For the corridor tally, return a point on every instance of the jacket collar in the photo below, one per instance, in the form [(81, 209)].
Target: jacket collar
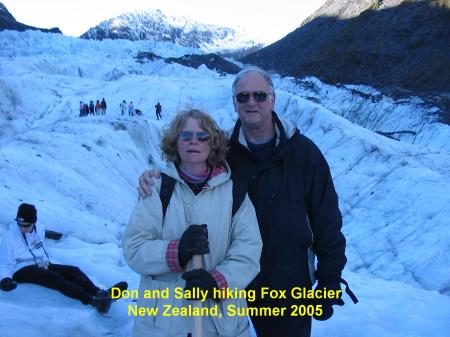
[(284, 130), (218, 176)]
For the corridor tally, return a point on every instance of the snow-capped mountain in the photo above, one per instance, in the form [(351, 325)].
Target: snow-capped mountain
[(156, 26), (82, 173)]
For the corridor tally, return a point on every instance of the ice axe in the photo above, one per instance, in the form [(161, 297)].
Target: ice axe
[(197, 330)]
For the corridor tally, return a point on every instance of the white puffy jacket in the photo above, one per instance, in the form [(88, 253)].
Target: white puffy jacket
[(16, 252), (235, 249)]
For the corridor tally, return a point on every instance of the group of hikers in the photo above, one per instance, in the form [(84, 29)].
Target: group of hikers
[(124, 108), (248, 209), (99, 108)]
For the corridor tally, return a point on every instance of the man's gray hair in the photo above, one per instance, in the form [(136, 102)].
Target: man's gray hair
[(252, 70)]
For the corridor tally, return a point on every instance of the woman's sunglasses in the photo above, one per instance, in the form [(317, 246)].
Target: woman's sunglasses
[(202, 136), (22, 223), (258, 96)]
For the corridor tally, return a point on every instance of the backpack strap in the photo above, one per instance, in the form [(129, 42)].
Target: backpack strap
[(239, 192), (165, 193), (168, 185)]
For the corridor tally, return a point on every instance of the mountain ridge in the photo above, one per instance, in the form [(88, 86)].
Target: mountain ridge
[(155, 25), (8, 22), (390, 45)]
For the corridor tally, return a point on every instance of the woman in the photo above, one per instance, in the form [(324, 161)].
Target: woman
[(160, 248), (24, 259)]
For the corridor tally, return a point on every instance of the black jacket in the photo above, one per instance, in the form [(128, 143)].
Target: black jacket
[(297, 208)]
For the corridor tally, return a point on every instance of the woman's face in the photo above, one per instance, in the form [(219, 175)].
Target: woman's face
[(27, 228), (193, 144)]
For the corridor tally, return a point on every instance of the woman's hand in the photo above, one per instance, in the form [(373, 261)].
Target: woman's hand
[(194, 241), (201, 279)]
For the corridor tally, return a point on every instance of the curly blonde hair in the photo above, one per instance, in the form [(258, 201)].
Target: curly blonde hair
[(218, 140)]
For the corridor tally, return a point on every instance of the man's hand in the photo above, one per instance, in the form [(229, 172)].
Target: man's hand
[(327, 304), (194, 241), (7, 284), (146, 180)]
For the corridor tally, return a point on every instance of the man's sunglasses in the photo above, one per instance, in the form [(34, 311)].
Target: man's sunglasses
[(22, 223), (258, 96), (202, 136)]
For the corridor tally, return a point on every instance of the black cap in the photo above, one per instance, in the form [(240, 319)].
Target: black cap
[(27, 212)]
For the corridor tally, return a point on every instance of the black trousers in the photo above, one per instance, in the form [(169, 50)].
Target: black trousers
[(69, 280), (287, 326), (282, 326)]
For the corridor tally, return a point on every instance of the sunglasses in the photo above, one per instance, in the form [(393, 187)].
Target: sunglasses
[(258, 96), (202, 136), (22, 223)]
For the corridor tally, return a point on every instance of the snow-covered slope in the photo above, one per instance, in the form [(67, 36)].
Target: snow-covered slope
[(409, 119), (156, 26), (81, 173)]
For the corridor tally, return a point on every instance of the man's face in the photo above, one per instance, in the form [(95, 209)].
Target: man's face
[(254, 113)]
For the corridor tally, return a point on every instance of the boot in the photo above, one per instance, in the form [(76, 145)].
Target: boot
[(101, 303), (102, 300), (121, 285)]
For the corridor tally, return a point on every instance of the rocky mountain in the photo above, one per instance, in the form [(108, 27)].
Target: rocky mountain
[(156, 26), (398, 46), (7, 21), (211, 61)]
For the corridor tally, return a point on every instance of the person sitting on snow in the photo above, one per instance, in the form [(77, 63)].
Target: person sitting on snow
[(24, 259)]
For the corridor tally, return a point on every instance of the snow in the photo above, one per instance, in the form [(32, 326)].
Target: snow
[(81, 173)]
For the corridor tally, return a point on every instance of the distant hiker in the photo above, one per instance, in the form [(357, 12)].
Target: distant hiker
[(91, 107), (123, 107), (86, 109), (98, 108), (24, 259), (158, 111), (130, 109), (138, 112), (81, 109), (103, 106)]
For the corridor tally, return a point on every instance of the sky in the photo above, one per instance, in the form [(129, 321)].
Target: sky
[(265, 20)]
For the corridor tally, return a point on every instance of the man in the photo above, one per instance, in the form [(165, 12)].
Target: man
[(24, 259), (158, 111), (290, 185)]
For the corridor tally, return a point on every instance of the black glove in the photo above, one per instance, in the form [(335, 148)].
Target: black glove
[(194, 241), (327, 303), (202, 279), (7, 284)]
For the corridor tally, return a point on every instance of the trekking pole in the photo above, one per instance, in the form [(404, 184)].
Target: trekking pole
[(198, 326)]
